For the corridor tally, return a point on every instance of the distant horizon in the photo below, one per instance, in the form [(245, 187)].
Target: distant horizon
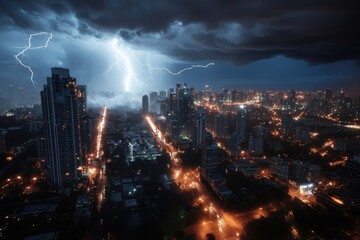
[(133, 99), (261, 46)]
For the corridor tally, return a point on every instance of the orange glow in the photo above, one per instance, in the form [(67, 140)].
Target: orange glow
[(100, 129), (337, 163), (329, 143), (337, 200), (314, 134), (353, 126)]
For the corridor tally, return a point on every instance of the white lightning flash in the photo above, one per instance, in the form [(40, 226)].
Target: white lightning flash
[(129, 71), (124, 61), (29, 47), (179, 72)]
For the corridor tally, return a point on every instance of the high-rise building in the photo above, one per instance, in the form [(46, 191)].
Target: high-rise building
[(84, 124), (172, 102), (221, 126), (145, 104), (162, 95), (59, 101), (241, 123), (200, 125), (185, 108), (163, 107), (292, 99), (352, 182), (256, 145), (234, 144), (153, 101), (209, 156), (286, 122)]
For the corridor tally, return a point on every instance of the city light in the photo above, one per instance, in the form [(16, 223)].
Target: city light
[(337, 200), (100, 128), (160, 120)]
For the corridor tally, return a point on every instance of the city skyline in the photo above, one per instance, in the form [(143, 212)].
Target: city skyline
[(193, 164), (182, 119), (137, 47)]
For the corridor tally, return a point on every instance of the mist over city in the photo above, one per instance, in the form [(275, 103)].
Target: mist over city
[(186, 120)]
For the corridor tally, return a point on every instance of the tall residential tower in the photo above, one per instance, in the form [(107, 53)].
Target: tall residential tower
[(60, 108)]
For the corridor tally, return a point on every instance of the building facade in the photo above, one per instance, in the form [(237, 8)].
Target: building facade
[(59, 103), (145, 104)]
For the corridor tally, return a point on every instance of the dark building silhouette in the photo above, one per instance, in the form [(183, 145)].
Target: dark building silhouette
[(286, 122), (60, 107), (221, 126), (200, 127), (241, 123), (352, 183), (153, 101), (185, 108), (84, 124), (209, 157), (145, 104)]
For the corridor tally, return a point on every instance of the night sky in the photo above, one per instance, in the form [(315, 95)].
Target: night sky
[(260, 44)]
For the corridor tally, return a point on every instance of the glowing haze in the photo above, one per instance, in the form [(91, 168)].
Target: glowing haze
[(122, 49)]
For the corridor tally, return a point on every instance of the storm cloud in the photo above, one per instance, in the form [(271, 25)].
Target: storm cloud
[(259, 44), (234, 31)]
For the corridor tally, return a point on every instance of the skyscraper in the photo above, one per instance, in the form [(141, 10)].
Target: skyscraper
[(209, 156), (200, 125), (162, 95), (221, 127), (84, 124), (185, 108), (351, 182), (241, 123), (256, 145), (286, 122), (60, 107), (145, 104), (154, 106)]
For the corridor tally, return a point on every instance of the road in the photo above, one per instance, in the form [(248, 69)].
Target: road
[(214, 219), (97, 176)]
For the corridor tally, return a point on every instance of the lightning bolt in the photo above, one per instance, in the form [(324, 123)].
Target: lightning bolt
[(129, 71), (121, 56), (29, 47), (179, 72)]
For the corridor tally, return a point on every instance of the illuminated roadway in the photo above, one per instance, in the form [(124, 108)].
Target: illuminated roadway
[(99, 154), (224, 225), (100, 181), (100, 132)]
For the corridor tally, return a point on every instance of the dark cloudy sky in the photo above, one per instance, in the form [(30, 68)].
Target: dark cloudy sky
[(256, 44)]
